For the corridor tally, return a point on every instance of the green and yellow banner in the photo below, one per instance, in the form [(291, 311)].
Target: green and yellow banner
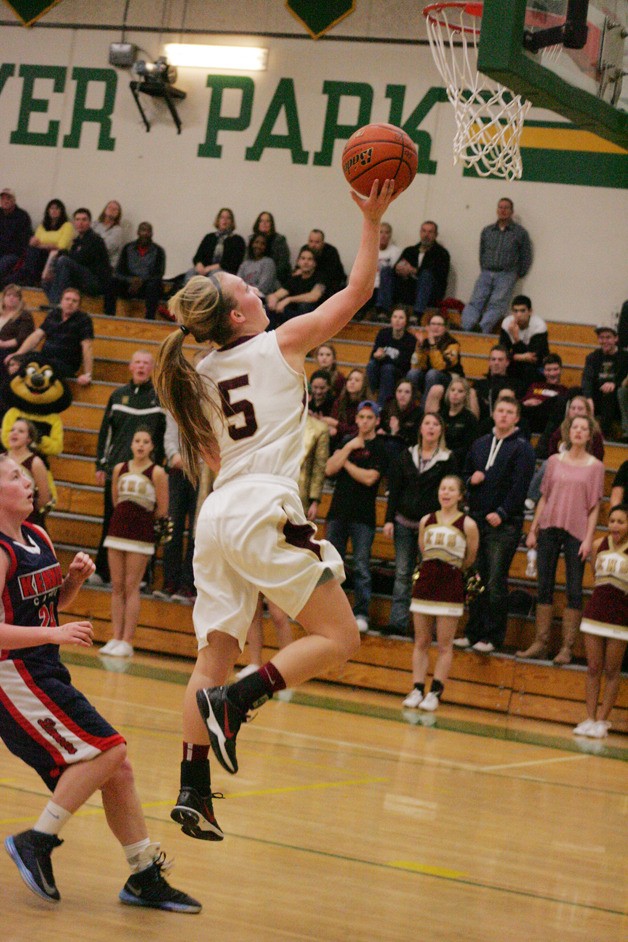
[(28, 11), (318, 16)]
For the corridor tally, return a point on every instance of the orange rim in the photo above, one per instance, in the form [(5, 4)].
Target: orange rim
[(431, 12)]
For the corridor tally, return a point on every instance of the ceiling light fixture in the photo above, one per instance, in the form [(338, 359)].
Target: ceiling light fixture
[(197, 56)]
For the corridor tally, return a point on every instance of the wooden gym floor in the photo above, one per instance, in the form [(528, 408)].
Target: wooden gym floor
[(350, 819)]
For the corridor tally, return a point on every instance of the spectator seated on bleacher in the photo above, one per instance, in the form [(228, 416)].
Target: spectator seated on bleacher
[(54, 233), (221, 250), (328, 263), (139, 273), (544, 401), (326, 359), (109, 227), (401, 416), (387, 258), (342, 421), (277, 244), (258, 268), (391, 356), (85, 266), (321, 398), (16, 324), (604, 373), (486, 425), (505, 255), (461, 425), (496, 379), (438, 354), (15, 232), (68, 338), (419, 277), (524, 335), (302, 292)]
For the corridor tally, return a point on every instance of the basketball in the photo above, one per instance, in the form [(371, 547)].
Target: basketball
[(379, 152)]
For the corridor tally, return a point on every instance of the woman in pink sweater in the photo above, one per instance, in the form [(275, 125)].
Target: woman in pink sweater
[(565, 519)]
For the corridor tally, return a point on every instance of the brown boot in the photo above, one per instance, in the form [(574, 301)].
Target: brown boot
[(571, 622), (540, 645)]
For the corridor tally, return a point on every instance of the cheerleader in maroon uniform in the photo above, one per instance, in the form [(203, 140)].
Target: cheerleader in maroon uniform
[(605, 623), (140, 496), (448, 541)]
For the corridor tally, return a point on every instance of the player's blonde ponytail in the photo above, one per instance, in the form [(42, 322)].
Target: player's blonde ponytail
[(201, 310)]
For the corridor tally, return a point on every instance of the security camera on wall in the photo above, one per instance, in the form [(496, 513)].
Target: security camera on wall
[(122, 55), (156, 79)]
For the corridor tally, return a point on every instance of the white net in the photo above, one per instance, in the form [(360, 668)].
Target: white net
[(489, 118)]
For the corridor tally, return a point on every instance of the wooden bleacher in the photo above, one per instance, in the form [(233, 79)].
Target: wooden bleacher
[(499, 682)]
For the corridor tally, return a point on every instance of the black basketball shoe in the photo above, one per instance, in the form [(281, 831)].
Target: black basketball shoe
[(30, 851), (150, 888), (196, 815), (223, 721)]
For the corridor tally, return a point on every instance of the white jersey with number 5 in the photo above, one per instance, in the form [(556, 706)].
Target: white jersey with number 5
[(264, 404)]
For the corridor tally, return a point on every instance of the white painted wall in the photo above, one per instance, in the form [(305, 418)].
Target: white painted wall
[(580, 233)]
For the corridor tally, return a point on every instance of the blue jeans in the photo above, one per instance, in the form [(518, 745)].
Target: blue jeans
[(425, 379), (69, 274), (549, 544), (534, 490), (406, 554), (488, 613), (420, 292), (182, 494), (489, 301), (382, 377), (361, 536)]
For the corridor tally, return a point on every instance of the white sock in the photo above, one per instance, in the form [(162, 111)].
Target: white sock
[(140, 855), (52, 819)]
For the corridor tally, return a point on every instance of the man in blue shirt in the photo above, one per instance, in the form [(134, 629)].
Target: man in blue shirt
[(505, 255)]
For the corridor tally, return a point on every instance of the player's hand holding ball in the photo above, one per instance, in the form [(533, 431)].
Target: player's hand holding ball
[(379, 152)]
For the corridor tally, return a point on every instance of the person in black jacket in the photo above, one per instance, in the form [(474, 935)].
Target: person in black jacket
[(498, 472), (604, 372), (15, 231), (420, 276), (85, 266), (461, 425), (414, 479), (139, 272), (222, 250), (489, 387), (391, 356), (328, 262)]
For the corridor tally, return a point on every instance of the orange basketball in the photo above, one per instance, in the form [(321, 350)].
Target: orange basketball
[(379, 152)]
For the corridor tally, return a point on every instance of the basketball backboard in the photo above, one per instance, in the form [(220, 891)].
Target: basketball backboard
[(569, 56)]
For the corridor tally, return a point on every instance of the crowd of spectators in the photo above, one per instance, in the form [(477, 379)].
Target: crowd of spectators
[(400, 426)]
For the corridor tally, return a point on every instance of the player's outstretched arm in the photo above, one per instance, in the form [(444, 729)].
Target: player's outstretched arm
[(299, 335)]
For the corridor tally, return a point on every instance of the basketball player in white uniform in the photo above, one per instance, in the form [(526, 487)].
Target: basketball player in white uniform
[(244, 411)]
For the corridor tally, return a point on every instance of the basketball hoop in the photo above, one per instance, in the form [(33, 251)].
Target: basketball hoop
[(489, 117)]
